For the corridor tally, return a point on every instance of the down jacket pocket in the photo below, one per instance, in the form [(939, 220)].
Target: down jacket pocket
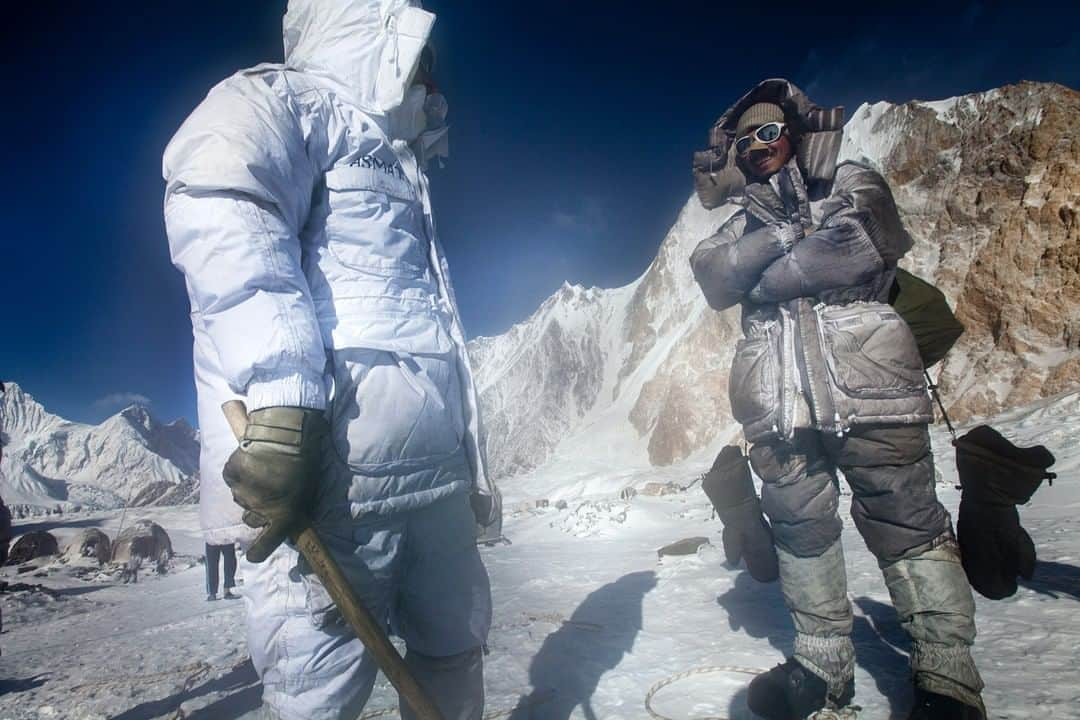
[(373, 221), (754, 382), (870, 352), (396, 409)]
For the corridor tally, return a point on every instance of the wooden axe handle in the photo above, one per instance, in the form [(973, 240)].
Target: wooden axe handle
[(360, 620)]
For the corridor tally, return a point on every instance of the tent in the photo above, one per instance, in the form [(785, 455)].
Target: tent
[(90, 543), (144, 539), (33, 545)]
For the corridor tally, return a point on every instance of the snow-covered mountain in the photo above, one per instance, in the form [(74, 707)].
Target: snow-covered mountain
[(637, 376), (50, 463)]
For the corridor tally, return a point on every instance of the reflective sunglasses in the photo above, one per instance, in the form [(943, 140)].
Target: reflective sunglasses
[(767, 134)]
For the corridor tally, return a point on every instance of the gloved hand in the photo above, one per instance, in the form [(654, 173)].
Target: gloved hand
[(747, 534), (764, 204), (995, 477), (487, 509), (274, 473)]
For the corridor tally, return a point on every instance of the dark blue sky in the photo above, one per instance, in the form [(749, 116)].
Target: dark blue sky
[(573, 125)]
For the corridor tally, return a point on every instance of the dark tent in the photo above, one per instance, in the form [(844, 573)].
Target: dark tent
[(144, 539), (33, 545)]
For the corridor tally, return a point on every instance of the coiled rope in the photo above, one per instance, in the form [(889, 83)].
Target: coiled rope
[(689, 673), (847, 713)]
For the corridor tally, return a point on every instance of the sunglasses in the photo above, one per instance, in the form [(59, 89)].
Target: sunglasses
[(767, 134)]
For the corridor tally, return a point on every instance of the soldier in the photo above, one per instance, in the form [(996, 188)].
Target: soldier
[(827, 378), (298, 209)]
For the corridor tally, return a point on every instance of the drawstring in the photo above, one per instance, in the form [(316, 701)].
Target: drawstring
[(392, 36)]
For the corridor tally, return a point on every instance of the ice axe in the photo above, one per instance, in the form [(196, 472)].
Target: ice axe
[(360, 620)]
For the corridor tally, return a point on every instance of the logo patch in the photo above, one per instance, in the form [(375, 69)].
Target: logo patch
[(370, 162)]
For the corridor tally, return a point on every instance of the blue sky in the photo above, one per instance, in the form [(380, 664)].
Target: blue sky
[(573, 124)]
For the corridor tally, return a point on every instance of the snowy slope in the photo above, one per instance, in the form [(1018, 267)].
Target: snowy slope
[(587, 620), (52, 464), (633, 377)]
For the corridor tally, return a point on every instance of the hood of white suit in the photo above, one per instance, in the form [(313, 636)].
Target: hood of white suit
[(371, 47)]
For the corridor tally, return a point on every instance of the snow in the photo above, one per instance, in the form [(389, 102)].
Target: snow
[(945, 109), (587, 618), (51, 464), (868, 138)]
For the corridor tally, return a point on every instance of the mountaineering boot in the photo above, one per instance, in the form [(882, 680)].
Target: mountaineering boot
[(211, 597), (815, 591), (931, 706), (791, 692)]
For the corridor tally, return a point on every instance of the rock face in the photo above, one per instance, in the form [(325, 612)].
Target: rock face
[(990, 188), (987, 185), (52, 464)]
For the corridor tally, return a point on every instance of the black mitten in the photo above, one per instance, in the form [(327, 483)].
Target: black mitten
[(995, 477), (747, 534), (994, 548)]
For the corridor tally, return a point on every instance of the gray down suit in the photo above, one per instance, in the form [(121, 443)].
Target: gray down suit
[(828, 377)]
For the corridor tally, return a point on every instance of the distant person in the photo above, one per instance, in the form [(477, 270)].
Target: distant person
[(5, 512), (5, 532), (298, 207), (162, 564), (828, 377), (214, 554), (130, 573), (5, 520)]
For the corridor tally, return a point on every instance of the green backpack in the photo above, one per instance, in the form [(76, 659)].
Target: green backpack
[(927, 313)]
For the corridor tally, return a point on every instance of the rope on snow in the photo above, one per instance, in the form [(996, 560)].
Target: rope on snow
[(847, 713), (695, 671)]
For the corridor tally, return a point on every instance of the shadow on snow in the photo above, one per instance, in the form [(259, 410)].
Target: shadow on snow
[(1054, 579), (242, 684), (566, 670)]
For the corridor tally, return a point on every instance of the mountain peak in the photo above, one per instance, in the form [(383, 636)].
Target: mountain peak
[(140, 416), (639, 375), (49, 461)]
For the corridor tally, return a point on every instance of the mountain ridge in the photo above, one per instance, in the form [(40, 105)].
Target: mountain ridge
[(985, 183), (55, 465)]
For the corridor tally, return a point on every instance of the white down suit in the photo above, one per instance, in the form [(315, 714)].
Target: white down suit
[(303, 228)]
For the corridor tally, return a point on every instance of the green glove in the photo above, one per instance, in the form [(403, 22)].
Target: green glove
[(274, 474)]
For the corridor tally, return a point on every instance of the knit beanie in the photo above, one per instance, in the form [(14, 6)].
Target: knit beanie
[(758, 114)]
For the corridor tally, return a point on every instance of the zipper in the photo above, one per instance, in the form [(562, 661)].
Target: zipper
[(789, 383), (838, 423)]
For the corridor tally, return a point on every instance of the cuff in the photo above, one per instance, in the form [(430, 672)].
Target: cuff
[(289, 391), (786, 235)]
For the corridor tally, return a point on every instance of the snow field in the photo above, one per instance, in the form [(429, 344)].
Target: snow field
[(587, 618)]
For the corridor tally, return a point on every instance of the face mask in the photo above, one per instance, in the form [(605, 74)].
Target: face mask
[(435, 109), (434, 142), (409, 120)]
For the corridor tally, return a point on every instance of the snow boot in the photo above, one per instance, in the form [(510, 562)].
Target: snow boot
[(211, 597), (931, 706), (791, 692)]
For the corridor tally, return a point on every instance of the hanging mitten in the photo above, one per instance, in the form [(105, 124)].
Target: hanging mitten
[(995, 477), (747, 534)]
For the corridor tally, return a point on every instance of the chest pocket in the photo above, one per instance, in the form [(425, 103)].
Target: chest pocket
[(376, 222)]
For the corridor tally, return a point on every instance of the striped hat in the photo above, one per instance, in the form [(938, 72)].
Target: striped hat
[(758, 114)]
